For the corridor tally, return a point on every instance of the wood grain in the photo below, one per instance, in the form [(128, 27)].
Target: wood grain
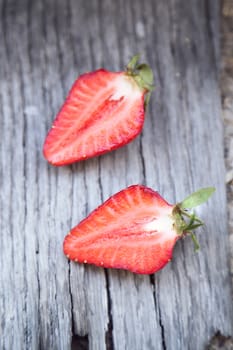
[(227, 106), (44, 299)]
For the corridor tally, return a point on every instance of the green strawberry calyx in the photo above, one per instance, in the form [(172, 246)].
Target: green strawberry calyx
[(142, 75), (184, 220)]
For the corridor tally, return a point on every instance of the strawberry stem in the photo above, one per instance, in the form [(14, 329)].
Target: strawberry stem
[(195, 242), (142, 74), (184, 221), (147, 99), (133, 63)]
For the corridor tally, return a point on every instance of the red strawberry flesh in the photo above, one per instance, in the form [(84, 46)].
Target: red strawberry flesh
[(133, 230), (103, 111)]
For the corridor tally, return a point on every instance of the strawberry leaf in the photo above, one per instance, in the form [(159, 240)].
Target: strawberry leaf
[(145, 72), (197, 198)]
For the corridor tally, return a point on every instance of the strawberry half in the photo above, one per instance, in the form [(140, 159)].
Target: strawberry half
[(135, 229), (103, 111)]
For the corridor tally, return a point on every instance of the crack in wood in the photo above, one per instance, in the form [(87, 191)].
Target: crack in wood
[(142, 160), (71, 299), (26, 329), (163, 338), (80, 342), (220, 342), (109, 333), (162, 331), (211, 31)]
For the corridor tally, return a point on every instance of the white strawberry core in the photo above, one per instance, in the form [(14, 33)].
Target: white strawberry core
[(126, 87), (161, 224)]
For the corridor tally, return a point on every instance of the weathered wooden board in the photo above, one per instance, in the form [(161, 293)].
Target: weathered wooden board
[(44, 45)]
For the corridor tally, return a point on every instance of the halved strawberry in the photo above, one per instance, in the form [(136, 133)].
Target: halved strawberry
[(103, 111), (136, 230)]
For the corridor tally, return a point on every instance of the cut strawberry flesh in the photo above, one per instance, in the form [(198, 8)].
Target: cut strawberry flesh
[(104, 110), (133, 230)]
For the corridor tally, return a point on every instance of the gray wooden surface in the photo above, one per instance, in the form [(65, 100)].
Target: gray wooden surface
[(227, 104), (44, 299)]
